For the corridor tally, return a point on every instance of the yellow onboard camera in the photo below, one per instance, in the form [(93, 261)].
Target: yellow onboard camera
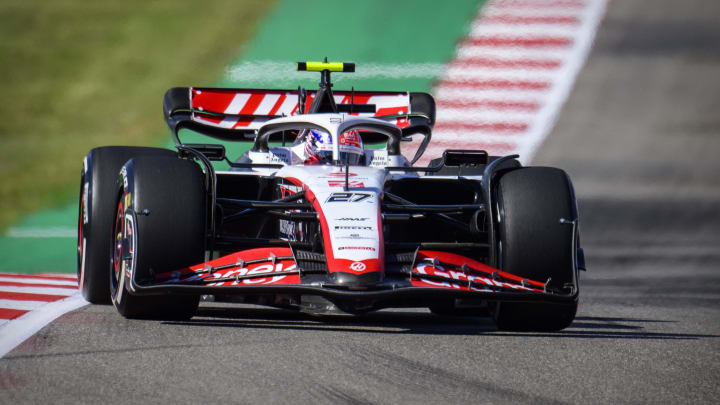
[(329, 66)]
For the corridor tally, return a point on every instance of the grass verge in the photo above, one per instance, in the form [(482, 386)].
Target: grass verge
[(78, 74)]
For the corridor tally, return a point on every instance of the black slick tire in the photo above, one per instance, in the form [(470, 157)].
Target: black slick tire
[(161, 214), (534, 243), (95, 213)]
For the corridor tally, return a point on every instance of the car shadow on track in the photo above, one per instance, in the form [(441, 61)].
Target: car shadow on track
[(392, 322), (425, 323), (590, 327)]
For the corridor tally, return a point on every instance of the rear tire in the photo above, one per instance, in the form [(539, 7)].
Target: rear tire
[(97, 206), (166, 233), (533, 243)]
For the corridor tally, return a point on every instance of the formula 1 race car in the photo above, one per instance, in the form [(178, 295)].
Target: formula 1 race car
[(324, 214)]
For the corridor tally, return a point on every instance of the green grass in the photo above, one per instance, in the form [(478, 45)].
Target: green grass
[(76, 74)]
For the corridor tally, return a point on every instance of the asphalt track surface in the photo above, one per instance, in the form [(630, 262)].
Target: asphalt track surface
[(640, 137)]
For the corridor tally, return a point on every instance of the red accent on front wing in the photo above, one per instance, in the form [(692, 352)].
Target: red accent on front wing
[(265, 267), (423, 265), (481, 273)]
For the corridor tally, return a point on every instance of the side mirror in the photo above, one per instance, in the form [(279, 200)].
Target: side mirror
[(213, 152)]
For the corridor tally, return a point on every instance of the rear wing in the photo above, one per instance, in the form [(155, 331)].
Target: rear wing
[(235, 114)]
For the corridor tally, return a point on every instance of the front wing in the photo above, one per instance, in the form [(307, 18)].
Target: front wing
[(412, 278)]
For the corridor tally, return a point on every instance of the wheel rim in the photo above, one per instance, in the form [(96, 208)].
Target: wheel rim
[(116, 257)]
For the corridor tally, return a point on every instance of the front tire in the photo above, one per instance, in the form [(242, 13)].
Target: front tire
[(97, 205), (534, 243), (160, 218)]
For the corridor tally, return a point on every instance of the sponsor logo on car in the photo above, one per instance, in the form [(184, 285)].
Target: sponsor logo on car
[(459, 275), (370, 248), (277, 155), (352, 219), (379, 161), (356, 236), (86, 186), (340, 183), (259, 269), (351, 138), (353, 227), (357, 266), (123, 173)]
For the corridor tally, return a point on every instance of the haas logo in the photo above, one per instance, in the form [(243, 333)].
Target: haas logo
[(357, 266)]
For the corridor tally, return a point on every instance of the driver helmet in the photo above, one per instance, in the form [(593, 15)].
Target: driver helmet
[(319, 147)]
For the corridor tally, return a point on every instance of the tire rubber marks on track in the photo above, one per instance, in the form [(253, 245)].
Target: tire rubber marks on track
[(511, 75)]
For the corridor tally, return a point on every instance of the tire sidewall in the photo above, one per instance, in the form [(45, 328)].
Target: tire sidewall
[(96, 212), (167, 234), (535, 244)]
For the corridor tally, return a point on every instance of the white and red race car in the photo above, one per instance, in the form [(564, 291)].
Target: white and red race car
[(351, 232)]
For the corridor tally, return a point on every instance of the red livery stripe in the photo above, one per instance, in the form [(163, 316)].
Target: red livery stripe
[(249, 108), (216, 101), (278, 104)]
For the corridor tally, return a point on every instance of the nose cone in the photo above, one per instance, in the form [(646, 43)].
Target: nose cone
[(356, 280)]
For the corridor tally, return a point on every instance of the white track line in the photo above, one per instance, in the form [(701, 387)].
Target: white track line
[(480, 114), (459, 136), (16, 331), (38, 290), (453, 94), (22, 305), (471, 51), (5, 277), (459, 72), (481, 29)]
